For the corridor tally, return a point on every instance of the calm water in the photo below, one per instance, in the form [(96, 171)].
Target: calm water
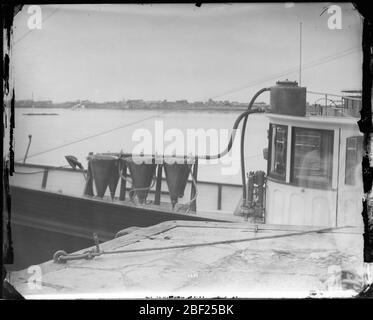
[(51, 132)]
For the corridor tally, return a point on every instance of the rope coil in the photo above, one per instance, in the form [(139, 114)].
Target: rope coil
[(130, 180)]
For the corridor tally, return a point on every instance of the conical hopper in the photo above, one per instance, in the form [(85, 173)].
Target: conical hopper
[(176, 178), (105, 173), (113, 183), (142, 171)]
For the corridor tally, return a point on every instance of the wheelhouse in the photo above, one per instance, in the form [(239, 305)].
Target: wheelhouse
[(314, 167)]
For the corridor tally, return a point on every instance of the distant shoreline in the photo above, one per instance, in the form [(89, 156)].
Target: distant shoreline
[(141, 105), (206, 109)]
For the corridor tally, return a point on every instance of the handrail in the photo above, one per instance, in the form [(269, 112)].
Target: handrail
[(48, 167), (45, 170), (335, 95)]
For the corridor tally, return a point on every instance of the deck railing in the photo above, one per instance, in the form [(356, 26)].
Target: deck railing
[(334, 105), (45, 169)]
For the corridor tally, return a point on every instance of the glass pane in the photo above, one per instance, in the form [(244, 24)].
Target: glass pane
[(278, 151), (354, 150), (312, 157)]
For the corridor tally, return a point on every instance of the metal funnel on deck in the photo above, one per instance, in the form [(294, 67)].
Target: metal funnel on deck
[(177, 174), (105, 173), (142, 170)]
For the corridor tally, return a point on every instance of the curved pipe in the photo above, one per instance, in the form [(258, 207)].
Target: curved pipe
[(242, 150), (244, 116), (230, 144), (233, 135)]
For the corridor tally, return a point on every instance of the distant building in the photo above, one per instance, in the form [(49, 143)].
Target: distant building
[(351, 101), (136, 104)]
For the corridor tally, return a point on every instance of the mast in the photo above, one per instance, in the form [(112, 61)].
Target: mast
[(32, 101), (300, 53)]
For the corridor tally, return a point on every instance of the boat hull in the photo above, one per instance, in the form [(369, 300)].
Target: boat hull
[(58, 221)]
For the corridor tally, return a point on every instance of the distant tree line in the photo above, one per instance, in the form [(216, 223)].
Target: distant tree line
[(139, 104)]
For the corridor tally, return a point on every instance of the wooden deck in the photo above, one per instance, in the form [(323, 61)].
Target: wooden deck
[(210, 259)]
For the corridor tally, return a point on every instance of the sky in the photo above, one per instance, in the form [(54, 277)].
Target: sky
[(180, 51)]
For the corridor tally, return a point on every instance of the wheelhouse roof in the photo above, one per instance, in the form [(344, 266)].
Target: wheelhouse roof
[(316, 121)]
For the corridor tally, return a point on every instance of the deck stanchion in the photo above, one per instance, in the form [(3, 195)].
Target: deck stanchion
[(123, 182), (220, 187), (45, 178), (193, 204), (158, 187), (28, 147), (88, 189)]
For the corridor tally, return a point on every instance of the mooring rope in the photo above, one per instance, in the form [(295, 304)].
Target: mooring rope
[(130, 180), (62, 257), (133, 190), (194, 182)]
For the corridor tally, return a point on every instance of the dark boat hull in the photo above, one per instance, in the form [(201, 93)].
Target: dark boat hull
[(44, 222)]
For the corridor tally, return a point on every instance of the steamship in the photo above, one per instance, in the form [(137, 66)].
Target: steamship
[(312, 179)]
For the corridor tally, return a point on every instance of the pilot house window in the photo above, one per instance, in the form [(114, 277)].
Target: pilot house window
[(312, 156), (354, 152), (278, 145)]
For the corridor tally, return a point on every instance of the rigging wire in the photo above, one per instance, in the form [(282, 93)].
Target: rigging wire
[(308, 65), (274, 76), (96, 135), (30, 30)]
